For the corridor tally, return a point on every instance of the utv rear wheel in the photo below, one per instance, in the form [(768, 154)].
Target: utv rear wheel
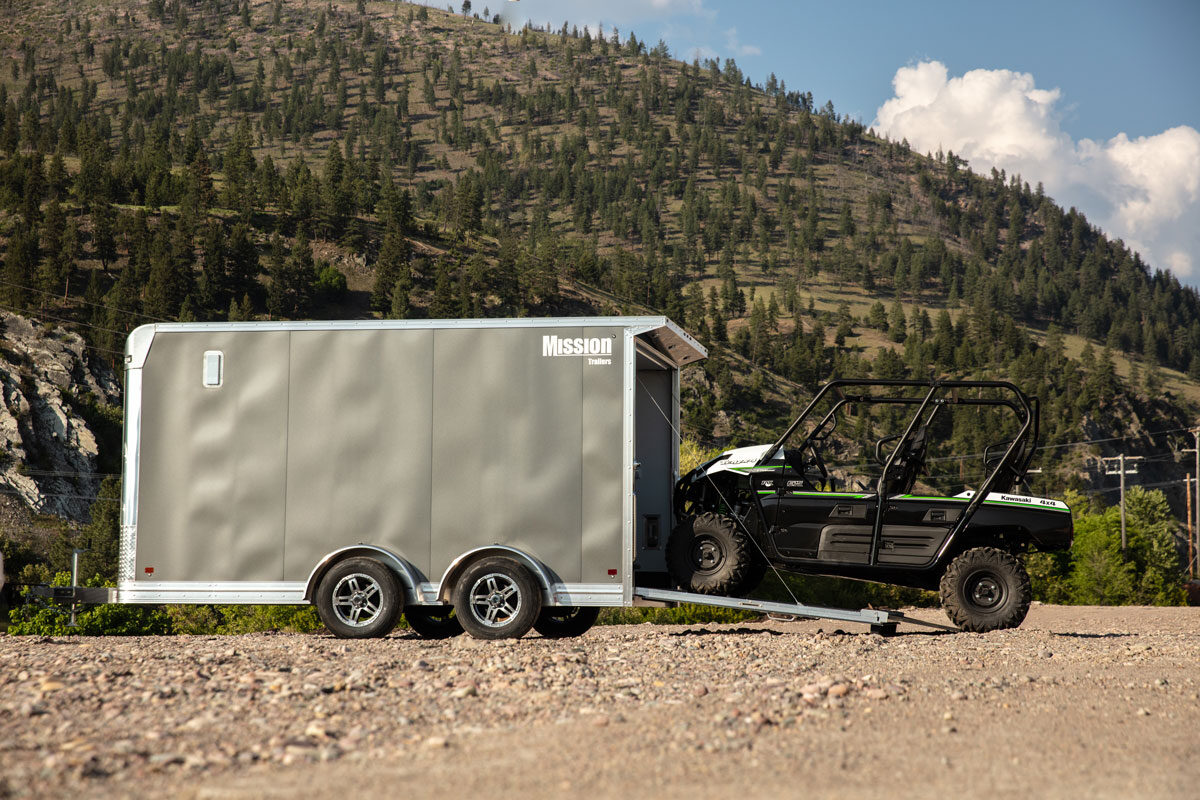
[(563, 622), (986, 589), (497, 598), (359, 598), (709, 555), (433, 622)]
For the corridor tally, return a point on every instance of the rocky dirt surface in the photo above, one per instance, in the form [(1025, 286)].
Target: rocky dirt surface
[(1078, 702)]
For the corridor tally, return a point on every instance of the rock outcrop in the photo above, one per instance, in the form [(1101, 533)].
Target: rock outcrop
[(48, 452)]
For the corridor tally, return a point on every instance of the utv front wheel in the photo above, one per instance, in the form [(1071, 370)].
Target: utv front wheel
[(709, 555), (986, 589)]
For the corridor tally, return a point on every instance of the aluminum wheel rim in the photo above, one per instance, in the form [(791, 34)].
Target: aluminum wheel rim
[(495, 599), (357, 600)]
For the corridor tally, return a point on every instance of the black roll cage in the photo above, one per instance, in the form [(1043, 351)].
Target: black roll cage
[(1008, 472)]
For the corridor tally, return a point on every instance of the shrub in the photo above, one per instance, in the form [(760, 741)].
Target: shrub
[(1048, 575), (252, 619), (330, 284), (42, 617), (194, 620), (692, 454)]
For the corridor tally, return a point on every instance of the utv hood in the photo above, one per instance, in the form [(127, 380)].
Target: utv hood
[(740, 459)]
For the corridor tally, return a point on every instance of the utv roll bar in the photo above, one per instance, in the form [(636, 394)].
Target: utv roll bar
[(1008, 472)]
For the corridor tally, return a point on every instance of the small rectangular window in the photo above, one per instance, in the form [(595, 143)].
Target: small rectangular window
[(213, 364)]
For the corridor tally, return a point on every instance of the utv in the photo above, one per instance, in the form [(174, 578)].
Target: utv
[(808, 504)]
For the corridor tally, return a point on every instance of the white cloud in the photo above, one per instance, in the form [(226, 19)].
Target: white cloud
[(1144, 190), (735, 47)]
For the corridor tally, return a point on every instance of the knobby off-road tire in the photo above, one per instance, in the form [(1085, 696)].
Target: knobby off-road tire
[(563, 622), (433, 622), (497, 598), (708, 554), (359, 598), (986, 589)]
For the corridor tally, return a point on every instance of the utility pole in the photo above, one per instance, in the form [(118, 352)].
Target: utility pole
[(1188, 489), (1191, 567), (1121, 469), (1194, 530)]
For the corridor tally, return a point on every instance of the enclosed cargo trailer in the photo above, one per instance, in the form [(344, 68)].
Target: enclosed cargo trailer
[(516, 471)]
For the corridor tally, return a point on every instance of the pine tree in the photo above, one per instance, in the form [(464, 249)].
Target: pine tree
[(897, 323), (242, 266), (103, 233), (290, 294), (443, 305), (391, 270), (20, 263)]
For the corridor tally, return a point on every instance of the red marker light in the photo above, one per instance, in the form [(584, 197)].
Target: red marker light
[(149, 570), (612, 573)]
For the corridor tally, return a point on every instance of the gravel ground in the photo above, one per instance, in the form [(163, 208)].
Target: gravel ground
[(1094, 702)]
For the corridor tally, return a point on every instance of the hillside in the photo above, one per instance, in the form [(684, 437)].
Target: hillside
[(221, 160)]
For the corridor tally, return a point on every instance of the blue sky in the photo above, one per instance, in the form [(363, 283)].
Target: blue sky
[(1098, 100)]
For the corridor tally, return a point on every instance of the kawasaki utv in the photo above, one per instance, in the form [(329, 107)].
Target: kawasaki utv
[(818, 502)]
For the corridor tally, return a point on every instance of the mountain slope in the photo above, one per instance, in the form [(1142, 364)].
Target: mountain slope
[(216, 160)]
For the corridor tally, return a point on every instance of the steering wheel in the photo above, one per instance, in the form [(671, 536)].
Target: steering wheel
[(807, 459)]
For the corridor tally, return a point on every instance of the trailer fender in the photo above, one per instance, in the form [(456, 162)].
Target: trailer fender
[(540, 571), (410, 578)]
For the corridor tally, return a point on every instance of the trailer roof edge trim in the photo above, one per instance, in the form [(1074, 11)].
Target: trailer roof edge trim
[(667, 337)]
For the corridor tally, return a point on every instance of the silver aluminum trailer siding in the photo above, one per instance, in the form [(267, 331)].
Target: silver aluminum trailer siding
[(257, 454)]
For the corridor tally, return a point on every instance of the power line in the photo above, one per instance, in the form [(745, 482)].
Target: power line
[(1079, 443), (104, 350), (85, 302), (53, 474), (40, 315), (73, 322), (1146, 485), (1114, 439), (16, 493)]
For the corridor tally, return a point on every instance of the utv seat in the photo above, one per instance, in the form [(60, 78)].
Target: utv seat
[(902, 475)]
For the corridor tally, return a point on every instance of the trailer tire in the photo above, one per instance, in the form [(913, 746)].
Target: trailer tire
[(433, 622), (708, 554), (497, 598), (986, 589), (565, 622), (359, 598)]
